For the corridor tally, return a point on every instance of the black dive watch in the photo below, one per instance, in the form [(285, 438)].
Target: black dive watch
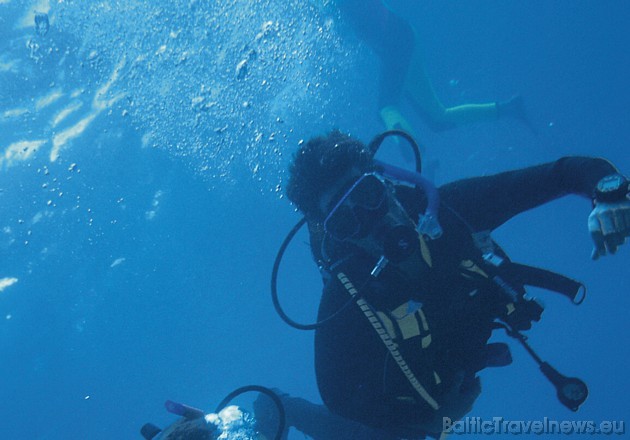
[(612, 188)]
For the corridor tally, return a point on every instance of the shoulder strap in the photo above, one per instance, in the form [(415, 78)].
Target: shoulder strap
[(527, 275), (546, 279), (391, 346)]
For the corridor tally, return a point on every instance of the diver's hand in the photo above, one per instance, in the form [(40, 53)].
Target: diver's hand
[(456, 402), (609, 225)]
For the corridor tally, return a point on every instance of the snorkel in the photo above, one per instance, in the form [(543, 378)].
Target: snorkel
[(428, 224)]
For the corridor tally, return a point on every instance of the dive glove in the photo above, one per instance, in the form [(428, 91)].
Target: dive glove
[(609, 222)]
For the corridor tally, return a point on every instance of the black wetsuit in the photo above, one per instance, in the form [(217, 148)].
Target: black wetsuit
[(356, 375)]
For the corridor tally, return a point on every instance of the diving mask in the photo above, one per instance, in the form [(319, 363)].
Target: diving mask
[(370, 216), (357, 210)]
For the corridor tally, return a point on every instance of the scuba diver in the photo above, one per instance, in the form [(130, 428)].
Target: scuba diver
[(403, 77), (414, 285), (227, 422), (231, 423), (272, 409)]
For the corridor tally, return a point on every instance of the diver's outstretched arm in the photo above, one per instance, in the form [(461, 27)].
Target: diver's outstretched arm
[(314, 420)]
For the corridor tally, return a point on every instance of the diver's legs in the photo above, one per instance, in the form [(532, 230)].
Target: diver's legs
[(419, 90)]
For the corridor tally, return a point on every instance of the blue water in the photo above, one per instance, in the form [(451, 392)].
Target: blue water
[(143, 148)]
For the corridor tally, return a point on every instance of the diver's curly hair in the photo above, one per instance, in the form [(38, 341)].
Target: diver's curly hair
[(319, 163)]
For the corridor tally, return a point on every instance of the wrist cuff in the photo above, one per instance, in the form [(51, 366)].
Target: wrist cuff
[(612, 188)]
